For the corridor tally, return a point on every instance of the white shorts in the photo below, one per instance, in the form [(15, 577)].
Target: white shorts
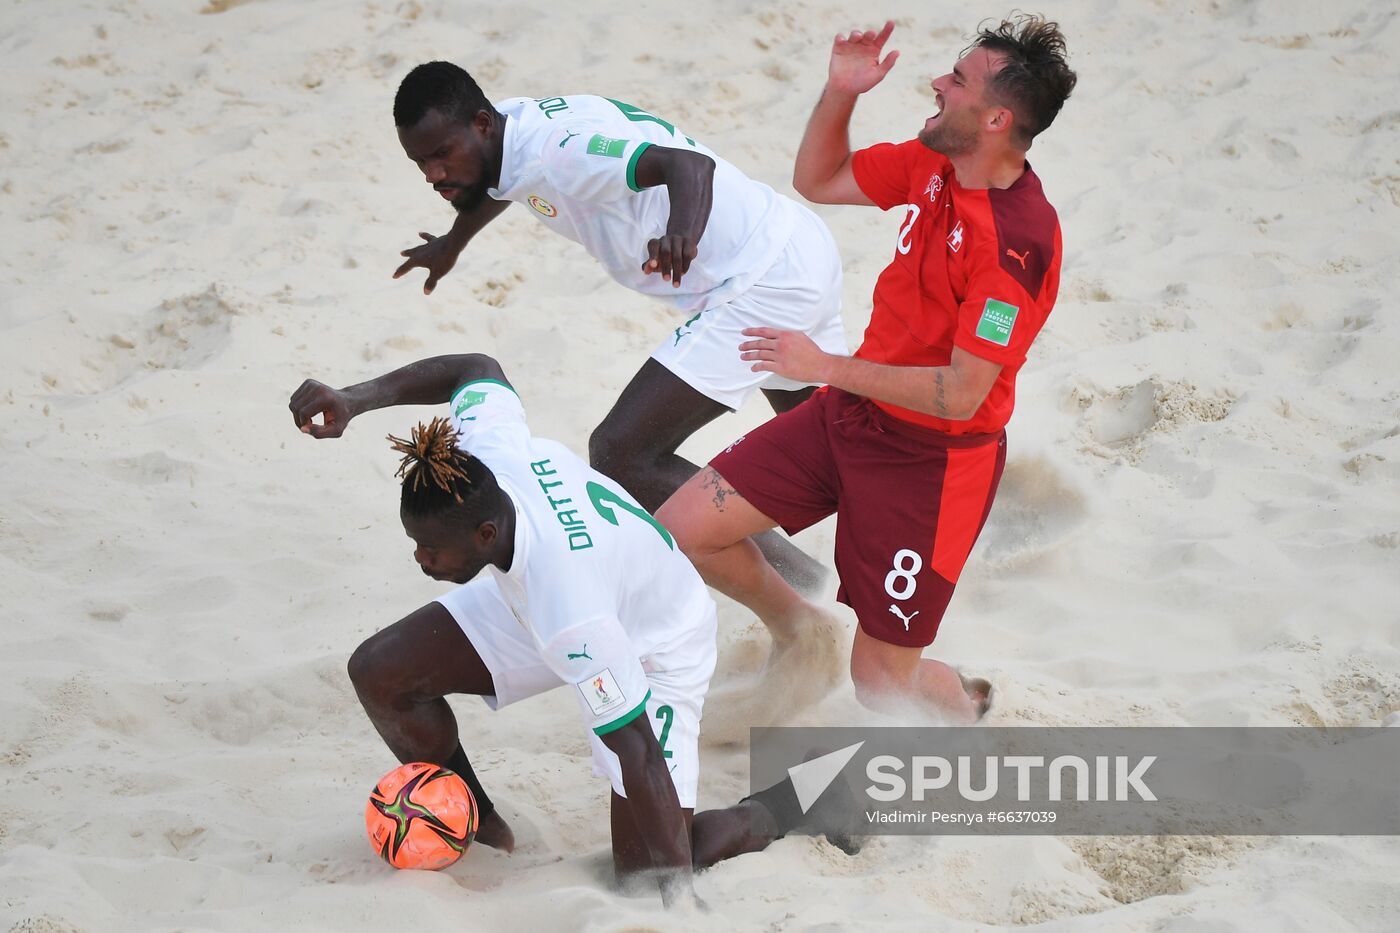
[(800, 291), (678, 674)]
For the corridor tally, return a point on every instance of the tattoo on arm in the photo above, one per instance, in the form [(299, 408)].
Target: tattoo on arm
[(719, 489), (940, 400)]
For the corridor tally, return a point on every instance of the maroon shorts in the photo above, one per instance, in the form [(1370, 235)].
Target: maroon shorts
[(909, 502)]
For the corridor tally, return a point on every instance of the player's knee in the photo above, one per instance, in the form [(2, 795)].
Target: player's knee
[(373, 668), (681, 516), (611, 452), (672, 515), (625, 453)]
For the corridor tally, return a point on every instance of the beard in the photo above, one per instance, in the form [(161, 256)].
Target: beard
[(470, 197), (949, 138)]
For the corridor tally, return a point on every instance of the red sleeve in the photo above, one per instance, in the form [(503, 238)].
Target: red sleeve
[(883, 171), (998, 319)]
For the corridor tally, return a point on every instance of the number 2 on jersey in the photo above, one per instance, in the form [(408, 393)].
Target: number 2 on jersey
[(906, 232), (664, 715)]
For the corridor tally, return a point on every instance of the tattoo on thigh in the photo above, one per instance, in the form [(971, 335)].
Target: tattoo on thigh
[(940, 400), (718, 488)]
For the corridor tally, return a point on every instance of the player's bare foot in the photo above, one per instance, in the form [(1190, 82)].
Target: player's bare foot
[(801, 670), (979, 690), (495, 832), (804, 668), (815, 657)]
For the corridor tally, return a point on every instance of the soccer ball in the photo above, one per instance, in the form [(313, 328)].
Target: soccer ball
[(421, 816)]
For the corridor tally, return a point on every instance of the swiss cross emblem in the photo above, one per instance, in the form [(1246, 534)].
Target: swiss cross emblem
[(955, 239), (935, 185)]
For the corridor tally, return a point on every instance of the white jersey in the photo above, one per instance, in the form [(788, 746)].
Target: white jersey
[(599, 584), (572, 161)]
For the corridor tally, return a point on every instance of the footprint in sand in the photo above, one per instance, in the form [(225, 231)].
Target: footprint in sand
[(496, 291), (1360, 694), (221, 6), (155, 468), (1119, 423), (45, 923), (1123, 416), (310, 694), (1134, 868), (180, 333), (186, 332)]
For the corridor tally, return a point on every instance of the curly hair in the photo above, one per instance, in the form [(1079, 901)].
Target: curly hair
[(441, 479), (438, 86), (1034, 80)]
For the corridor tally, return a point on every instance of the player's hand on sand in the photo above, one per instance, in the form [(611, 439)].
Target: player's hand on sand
[(855, 60), (671, 256), (316, 398), (789, 353), (438, 255)]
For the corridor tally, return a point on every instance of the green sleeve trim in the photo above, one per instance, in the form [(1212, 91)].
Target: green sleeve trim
[(632, 165), (625, 719), (478, 381)]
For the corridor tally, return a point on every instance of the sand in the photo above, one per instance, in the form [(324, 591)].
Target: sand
[(202, 205)]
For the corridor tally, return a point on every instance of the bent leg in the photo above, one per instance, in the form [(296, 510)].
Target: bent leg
[(712, 524), (631, 855), (888, 676), (716, 835), (793, 565), (402, 675), (912, 506), (636, 445), (755, 822), (637, 441)]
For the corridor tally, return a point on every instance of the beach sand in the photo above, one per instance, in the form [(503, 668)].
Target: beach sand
[(202, 203)]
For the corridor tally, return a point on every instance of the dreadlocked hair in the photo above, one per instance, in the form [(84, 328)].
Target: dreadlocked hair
[(439, 477)]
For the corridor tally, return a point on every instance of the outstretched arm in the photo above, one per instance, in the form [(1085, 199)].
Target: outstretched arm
[(655, 806), (822, 172), (954, 392), (426, 382), (439, 254), (689, 180)]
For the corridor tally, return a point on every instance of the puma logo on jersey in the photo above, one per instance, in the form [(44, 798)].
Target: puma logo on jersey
[(1019, 257), (582, 654), (902, 617), (565, 141)]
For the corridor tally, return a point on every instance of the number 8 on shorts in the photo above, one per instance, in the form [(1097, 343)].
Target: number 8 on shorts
[(900, 582)]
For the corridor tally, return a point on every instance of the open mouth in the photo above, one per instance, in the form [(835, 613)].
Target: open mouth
[(447, 193)]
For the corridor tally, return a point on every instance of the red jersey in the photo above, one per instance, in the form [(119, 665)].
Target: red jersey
[(976, 268)]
